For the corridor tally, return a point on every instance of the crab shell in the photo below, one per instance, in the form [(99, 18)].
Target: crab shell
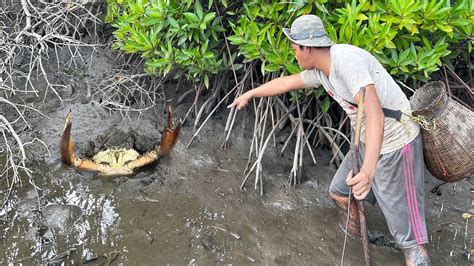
[(113, 162)]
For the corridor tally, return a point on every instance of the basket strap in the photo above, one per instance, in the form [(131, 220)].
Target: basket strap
[(395, 114), (420, 120)]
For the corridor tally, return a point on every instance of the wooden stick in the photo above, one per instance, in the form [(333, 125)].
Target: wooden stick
[(355, 171)]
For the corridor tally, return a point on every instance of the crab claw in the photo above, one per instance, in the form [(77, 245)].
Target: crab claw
[(67, 153), (65, 145), (170, 135)]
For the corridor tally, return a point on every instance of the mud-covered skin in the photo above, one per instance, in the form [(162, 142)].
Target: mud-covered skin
[(416, 256), (117, 161)]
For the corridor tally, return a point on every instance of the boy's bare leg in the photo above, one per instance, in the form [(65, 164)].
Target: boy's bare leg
[(354, 225), (416, 256)]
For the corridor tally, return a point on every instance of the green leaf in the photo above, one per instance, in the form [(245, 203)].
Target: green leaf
[(361, 16), (235, 39), (459, 22), (173, 22), (293, 68), (318, 92), (444, 27), (191, 17), (198, 9), (272, 67), (209, 17), (181, 40), (206, 81), (326, 104)]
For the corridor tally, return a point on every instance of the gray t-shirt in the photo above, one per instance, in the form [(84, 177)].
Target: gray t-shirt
[(353, 68)]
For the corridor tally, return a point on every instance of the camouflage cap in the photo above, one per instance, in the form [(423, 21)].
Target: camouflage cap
[(308, 30)]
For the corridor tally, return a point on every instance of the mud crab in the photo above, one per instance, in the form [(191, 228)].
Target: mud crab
[(117, 161)]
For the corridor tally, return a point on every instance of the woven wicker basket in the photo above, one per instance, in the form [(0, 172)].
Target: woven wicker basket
[(449, 147)]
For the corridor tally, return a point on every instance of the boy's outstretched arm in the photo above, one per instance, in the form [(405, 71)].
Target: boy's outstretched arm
[(272, 88)]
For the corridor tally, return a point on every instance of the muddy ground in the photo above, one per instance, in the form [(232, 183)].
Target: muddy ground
[(188, 208)]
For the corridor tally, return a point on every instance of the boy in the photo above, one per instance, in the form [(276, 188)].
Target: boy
[(391, 153)]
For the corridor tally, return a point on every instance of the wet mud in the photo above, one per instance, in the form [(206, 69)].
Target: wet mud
[(187, 209)]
